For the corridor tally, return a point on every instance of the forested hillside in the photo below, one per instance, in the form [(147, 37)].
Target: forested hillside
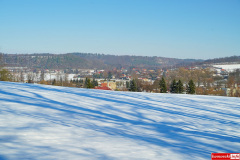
[(232, 59), (50, 61), (88, 60), (102, 61)]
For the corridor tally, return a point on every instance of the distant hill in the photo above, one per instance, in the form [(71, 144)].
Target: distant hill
[(89, 60), (232, 59), (50, 61), (102, 61)]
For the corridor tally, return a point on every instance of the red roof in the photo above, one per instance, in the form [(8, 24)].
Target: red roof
[(103, 84), (102, 88)]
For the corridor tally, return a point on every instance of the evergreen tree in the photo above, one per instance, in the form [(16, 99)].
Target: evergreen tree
[(109, 75), (127, 84), (54, 82), (173, 87), (133, 86), (61, 81), (80, 81), (163, 87), (191, 87), (95, 83), (88, 83), (179, 86)]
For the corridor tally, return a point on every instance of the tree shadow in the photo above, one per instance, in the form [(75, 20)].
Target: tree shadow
[(164, 132)]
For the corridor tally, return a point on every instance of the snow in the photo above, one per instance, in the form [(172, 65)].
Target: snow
[(56, 76), (49, 122), (229, 67)]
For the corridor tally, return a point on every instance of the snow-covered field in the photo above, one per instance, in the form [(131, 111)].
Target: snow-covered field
[(48, 122), (228, 67)]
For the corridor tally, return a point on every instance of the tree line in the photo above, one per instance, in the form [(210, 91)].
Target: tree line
[(175, 87), (181, 80)]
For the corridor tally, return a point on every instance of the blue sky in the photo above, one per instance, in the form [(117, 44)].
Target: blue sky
[(168, 28)]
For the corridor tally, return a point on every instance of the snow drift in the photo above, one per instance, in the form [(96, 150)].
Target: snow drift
[(48, 122)]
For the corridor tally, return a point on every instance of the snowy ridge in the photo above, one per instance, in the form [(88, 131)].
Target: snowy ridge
[(48, 122), (228, 67)]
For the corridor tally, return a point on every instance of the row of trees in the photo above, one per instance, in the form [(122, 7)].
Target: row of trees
[(87, 83), (175, 87), (90, 84), (206, 84)]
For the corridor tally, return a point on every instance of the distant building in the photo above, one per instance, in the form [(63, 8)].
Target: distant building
[(111, 85)]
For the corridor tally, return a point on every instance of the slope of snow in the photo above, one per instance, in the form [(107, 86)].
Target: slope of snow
[(228, 67), (48, 122)]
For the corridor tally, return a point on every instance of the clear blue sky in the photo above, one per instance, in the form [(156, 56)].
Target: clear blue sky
[(168, 28)]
